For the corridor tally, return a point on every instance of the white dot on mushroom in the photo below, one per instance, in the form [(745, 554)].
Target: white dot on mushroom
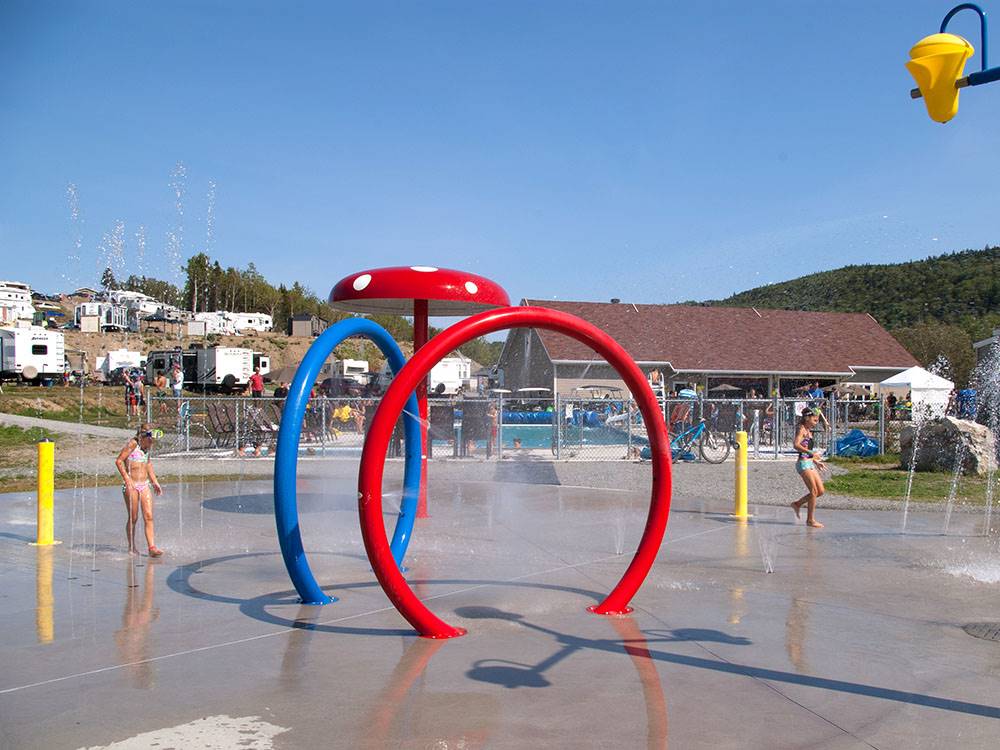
[(362, 281), (423, 269), (470, 287)]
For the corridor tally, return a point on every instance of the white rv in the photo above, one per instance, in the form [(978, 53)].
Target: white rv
[(93, 317), (453, 371), (352, 369), (251, 321), (16, 307), (31, 353), (219, 368), (116, 358), (143, 305), (218, 322)]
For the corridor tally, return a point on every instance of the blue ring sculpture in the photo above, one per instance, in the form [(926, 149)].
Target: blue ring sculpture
[(286, 514)]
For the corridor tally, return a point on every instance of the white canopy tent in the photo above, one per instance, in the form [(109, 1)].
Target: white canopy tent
[(928, 392)]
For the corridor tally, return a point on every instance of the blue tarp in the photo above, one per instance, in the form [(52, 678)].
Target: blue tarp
[(527, 417), (856, 443)]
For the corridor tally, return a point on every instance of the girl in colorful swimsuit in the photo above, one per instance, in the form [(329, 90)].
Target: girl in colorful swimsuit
[(136, 468), (808, 465)]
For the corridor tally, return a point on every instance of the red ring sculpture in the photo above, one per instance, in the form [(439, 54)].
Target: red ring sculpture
[(377, 443)]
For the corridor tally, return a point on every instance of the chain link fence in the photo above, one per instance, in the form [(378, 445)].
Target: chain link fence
[(504, 428)]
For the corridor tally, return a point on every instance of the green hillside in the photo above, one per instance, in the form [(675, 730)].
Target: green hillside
[(934, 307), (961, 289)]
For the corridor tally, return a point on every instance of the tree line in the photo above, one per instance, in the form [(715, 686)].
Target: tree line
[(208, 287)]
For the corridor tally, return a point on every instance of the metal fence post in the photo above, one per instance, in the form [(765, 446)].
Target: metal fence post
[(558, 421), (238, 409), (500, 429), (832, 449), (322, 426), (628, 428), (880, 405), (775, 425)]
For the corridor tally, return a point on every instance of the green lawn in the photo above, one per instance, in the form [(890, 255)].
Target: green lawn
[(18, 437), (889, 480)]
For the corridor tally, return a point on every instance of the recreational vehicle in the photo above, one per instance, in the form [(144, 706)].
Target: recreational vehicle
[(224, 369), (219, 322), (93, 317), (143, 305), (251, 322), (119, 358), (352, 369), (31, 353), (15, 304)]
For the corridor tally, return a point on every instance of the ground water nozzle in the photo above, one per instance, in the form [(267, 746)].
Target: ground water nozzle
[(937, 63)]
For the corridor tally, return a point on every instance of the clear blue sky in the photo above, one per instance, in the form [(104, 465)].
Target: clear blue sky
[(650, 151)]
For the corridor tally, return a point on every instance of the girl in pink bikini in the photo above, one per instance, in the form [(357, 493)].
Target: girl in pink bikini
[(136, 468)]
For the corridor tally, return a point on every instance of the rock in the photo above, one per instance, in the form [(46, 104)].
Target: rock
[(944, 438)]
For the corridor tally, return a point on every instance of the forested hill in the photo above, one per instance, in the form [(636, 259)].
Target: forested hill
[(960, 289)]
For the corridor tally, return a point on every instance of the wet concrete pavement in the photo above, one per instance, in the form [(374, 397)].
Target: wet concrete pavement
[(855, 640)]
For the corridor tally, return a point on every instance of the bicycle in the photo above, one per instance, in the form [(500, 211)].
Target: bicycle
[(713, 446)]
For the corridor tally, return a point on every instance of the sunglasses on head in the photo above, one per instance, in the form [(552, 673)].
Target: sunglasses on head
[(153, 434)]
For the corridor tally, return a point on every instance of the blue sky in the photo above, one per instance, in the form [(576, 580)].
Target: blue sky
[(650, 151)]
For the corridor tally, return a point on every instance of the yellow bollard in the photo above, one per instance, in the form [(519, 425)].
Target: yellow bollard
[(740, 511), (46, 490)]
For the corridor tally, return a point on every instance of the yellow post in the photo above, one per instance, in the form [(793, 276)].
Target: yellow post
[(46, 490), (740, 511)]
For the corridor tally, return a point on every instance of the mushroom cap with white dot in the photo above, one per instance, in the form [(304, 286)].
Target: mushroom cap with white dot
[(395, 290)]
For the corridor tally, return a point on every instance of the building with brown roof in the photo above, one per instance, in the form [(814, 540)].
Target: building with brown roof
[(707, 347)]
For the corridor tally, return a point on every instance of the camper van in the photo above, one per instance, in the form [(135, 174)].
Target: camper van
[(32, 353), (224, 369)]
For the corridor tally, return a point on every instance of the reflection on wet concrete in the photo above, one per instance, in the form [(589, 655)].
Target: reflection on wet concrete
[(737, 605), (637, 647), (511, 674), (138, 615), (44, 601), (795, 633), (406, 709)]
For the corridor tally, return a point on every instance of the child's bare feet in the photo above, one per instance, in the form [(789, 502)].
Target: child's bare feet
[(797, 506), (814, 523)]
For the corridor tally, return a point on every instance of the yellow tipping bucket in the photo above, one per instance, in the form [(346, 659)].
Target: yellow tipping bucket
[(936, 63)]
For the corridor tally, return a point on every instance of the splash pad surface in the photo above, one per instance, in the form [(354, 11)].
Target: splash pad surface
[(855, 638)]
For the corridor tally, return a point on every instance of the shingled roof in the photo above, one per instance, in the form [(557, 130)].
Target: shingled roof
[(693, 338)]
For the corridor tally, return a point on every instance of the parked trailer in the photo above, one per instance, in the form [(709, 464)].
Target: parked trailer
[(104, 316), (32, 353), (223, 369)]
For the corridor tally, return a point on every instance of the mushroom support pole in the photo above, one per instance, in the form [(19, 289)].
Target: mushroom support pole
[(286, 514), (377, 442), (419, 339)]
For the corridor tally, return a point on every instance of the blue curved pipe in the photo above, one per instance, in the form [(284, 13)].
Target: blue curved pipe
[(286, 513)]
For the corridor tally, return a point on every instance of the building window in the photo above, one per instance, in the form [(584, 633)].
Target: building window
[(39, 349)]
